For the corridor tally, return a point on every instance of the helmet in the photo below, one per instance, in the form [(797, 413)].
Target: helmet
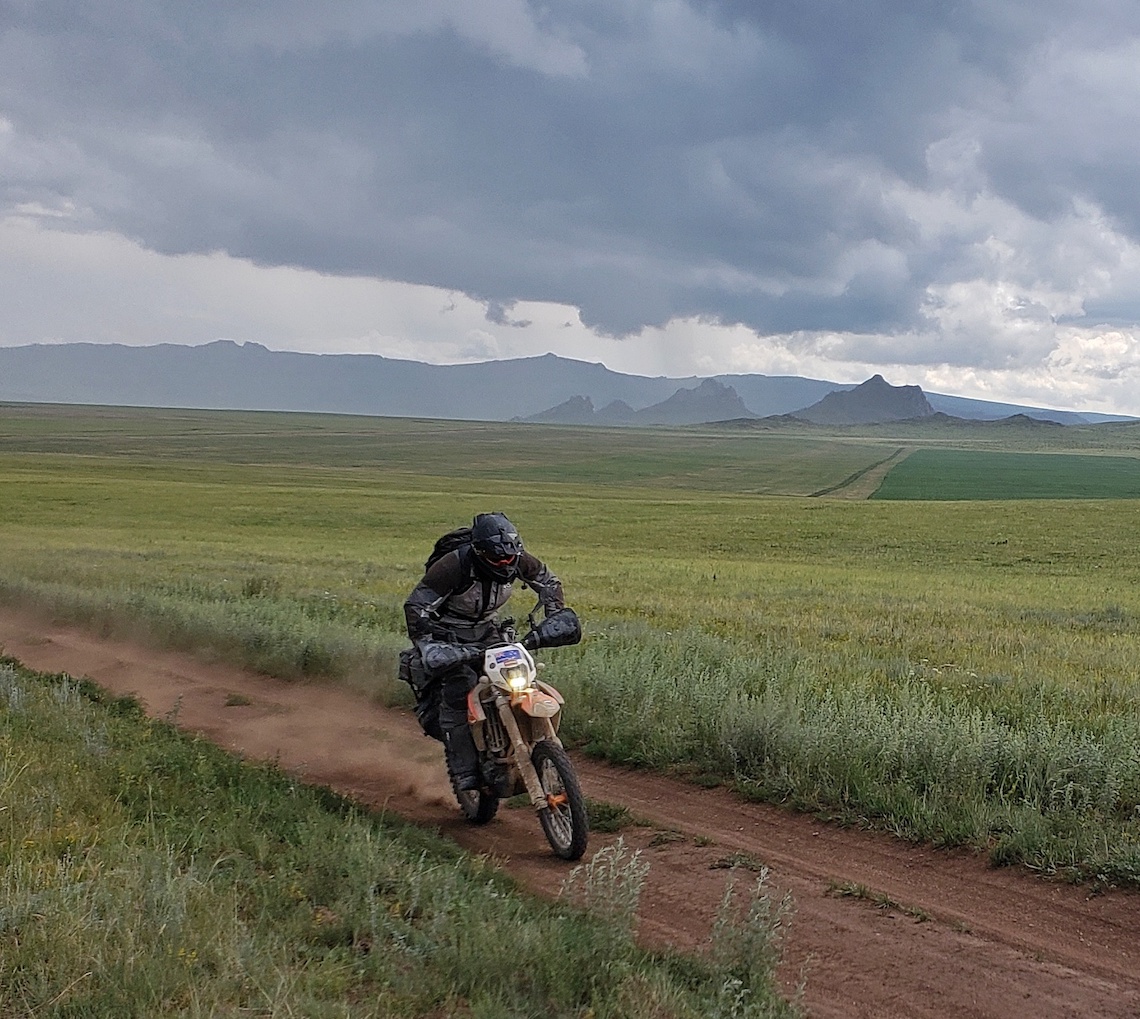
[(496, 544)]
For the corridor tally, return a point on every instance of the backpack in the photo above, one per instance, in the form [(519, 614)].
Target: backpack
[(448, 543)]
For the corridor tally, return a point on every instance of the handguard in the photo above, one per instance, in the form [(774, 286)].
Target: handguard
[(440, 656), (556, 630)]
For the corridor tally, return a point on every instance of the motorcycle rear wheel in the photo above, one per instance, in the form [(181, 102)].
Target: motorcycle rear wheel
[(478, 805), (564, 820)]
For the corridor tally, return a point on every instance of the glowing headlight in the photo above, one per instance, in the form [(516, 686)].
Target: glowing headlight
[(516, 676)]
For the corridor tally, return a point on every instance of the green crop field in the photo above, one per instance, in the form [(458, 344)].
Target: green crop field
[(980, 474), (962, 672)]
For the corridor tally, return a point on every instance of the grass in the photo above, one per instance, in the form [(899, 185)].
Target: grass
[(880, 900), (747, 861), (147, 873), (964, 673), (481, 451), (610, 817), (976, 474)]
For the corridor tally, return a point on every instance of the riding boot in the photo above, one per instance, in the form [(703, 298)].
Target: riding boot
[(462, 758)]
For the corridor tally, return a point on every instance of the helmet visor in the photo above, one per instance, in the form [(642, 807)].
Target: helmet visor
[(499, 554), (500, 558)]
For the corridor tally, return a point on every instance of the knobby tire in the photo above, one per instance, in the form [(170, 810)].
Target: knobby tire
[(566, 825)]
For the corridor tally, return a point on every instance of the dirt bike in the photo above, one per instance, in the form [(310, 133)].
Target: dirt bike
[(514, 719)]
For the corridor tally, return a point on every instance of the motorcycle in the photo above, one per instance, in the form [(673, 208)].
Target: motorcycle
[(514, 718)]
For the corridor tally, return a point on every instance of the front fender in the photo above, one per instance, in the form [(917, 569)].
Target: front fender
[(538, 704)]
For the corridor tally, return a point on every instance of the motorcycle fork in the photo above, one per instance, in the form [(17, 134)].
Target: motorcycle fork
[(522, 753)]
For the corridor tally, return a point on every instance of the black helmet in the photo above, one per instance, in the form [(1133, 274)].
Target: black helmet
[(496, 544)]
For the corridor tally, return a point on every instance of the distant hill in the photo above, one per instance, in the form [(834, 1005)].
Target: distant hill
[(247, 376), (987, 410), (617, 412), (710, 401), (874, 401), (578, 410), (1019, 422)]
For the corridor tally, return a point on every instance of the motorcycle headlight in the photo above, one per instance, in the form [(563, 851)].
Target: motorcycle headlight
[(517, 677)]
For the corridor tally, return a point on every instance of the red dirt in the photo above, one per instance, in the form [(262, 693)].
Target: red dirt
[(953, 937)]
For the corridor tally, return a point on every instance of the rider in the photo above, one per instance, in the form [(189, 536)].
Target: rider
[(452, 615)]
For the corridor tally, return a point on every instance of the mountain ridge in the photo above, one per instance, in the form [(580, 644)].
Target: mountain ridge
[(228, 375), (709, 402)]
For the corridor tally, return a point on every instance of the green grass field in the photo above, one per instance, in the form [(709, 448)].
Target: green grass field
[(961, 672), (933, 474), (712, 461)]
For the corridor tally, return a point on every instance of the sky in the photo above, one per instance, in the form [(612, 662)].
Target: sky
[(946, 193)]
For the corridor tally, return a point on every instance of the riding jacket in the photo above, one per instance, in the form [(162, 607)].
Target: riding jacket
[(456, 604)]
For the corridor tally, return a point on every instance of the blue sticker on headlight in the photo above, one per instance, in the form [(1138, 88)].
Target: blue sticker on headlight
[(508, 655)]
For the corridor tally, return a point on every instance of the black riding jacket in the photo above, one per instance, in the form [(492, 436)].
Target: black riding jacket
[(455, 603)]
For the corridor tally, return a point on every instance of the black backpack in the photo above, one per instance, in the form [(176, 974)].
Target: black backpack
[(448, 543)]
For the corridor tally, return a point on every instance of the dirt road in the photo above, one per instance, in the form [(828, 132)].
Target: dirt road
[(936, 934)]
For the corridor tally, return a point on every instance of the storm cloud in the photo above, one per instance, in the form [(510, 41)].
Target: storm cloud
[(943, 186)]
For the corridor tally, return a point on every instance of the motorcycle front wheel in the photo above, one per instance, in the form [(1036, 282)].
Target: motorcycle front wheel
[(563, 819)]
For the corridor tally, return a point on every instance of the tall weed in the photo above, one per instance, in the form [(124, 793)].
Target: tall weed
[(1048, 789)]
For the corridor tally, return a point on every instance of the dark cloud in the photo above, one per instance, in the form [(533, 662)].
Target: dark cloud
[(640, 161), (500, 315)]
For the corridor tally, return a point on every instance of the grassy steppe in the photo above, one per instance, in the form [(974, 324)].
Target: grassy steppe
[(961, 672), (146, 873)]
